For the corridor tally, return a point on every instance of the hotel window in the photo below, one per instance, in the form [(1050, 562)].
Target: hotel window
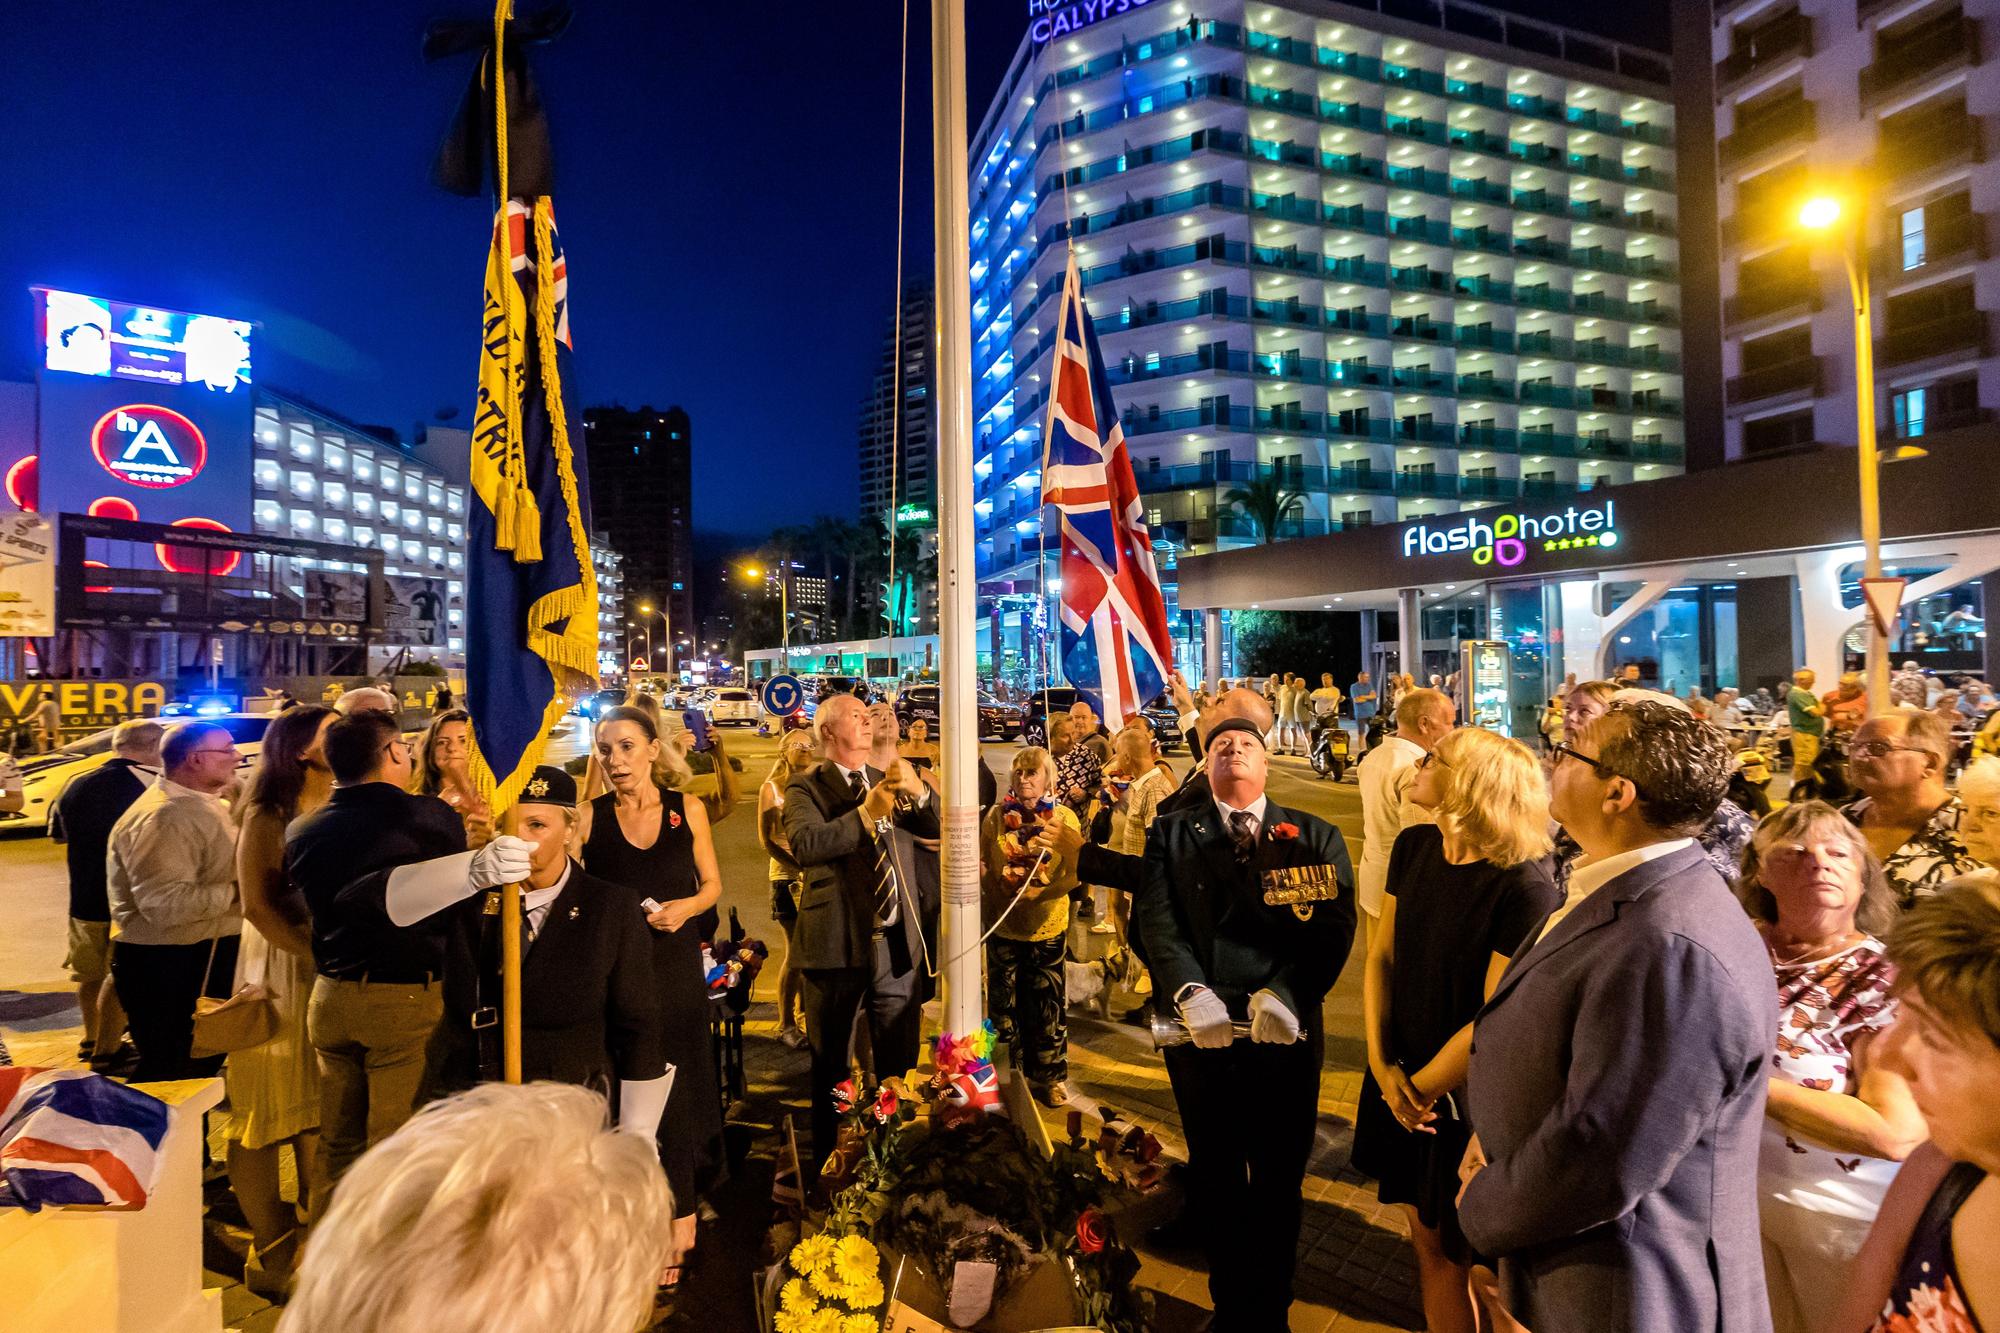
[(304, 446), (269, 475), (454, 501), (436, 554), (1908, 406), (364, 466), (434, 495), (412, 519), (391, 544), (434, 525), (1913, 238), (304, 486), (391, 511), (335, 529), (455, 531), (270, 514), (303, 522), (335, 493), (363, 535), (390, 477), (413, 486), (364, 503), (455, 559), (336, 458), (1356, 518)]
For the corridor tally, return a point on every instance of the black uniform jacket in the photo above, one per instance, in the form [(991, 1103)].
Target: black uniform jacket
[(839, 856), (1282, 922), (589, 1011)]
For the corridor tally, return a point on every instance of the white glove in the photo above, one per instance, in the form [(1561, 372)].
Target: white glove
[(641, 1102), (1270, 1021), (501, 861), (1207, 1019)]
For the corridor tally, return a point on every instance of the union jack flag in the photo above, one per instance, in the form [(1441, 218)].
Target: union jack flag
[(76, 1139), (1115, 645)]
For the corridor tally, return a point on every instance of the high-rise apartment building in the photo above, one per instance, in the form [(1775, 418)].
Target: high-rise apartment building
[(1882, 103), (641, 495), (899, 462), (1386, 267)]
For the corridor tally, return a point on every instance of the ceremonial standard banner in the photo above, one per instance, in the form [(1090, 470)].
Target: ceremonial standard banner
[(531, 592)]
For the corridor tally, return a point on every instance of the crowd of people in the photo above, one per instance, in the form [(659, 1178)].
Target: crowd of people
[(1635, 1057)]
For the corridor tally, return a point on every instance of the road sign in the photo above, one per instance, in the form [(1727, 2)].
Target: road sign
[(783, 696), (1885, 599)]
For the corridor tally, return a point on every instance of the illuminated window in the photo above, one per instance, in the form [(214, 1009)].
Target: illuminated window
[(413, 520), (304, 485), (269, 475), (454, 501), (434, 525), (270, 515), (391, 543), (363, 535), (364, 503), (336, 458), (455, 560), (413, 486), (454, 531), (304, 446), (364, 466), (434, 494), (335, 529), (436, 553), (335, 493), (303, 522), (390, 511), (1913, 238)]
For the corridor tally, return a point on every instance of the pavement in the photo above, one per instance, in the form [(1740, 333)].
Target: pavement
[(1355, 1269)]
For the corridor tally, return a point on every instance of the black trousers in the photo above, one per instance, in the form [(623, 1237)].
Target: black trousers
[(158, 985), (1249, 1111), (833, 996)]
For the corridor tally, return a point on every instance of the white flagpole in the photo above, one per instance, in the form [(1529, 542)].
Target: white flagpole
[(951, 370)]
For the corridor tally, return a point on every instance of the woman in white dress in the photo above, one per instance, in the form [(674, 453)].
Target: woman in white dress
[(274, 1087)]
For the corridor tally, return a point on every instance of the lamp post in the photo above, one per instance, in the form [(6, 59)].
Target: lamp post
[(666, 631), (753, 573), (1824, 213)]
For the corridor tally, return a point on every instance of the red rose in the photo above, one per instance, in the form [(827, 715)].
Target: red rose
[(1284, 832), (844, 1096), (1092, 1231)]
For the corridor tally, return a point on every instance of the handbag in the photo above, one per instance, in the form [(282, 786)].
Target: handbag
[(247, 1018)]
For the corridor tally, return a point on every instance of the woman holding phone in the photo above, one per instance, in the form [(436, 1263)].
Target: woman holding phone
[(651, 839), (1462, 895)]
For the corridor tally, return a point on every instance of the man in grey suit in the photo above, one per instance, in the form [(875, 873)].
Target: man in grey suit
[(859, 939), (1618, 1073)]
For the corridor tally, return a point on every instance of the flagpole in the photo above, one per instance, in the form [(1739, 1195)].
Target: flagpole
[(963, 1003)]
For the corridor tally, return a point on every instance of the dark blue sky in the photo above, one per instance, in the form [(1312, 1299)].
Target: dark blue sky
[(726, 195)]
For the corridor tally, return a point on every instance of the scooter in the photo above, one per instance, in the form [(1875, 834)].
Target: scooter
[(1332, 749)]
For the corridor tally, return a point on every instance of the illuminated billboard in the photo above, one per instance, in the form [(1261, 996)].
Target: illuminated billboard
[(105, 339)]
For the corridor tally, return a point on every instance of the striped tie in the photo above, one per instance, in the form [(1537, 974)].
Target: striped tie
[(887, 910)]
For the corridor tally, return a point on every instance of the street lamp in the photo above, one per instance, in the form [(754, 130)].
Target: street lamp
[(1826, 214), (666, 631), (754, 574)]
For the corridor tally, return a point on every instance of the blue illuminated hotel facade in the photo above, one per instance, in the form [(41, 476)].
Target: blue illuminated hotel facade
[(1390, 268)]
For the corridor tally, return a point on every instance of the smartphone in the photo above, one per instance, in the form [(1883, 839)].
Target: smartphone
[(696, 722)]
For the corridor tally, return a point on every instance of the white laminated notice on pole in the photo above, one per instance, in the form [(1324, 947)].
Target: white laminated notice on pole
[(961, 848)]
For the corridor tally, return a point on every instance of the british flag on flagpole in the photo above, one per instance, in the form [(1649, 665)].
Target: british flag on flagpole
[(1115, 643)]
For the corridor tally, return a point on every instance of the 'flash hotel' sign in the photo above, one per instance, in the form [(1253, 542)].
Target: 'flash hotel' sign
[(1050, 19), (1507, 538)]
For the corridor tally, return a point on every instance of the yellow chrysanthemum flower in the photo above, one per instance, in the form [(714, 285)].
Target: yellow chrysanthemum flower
[(795, 1296), (826, 1283), (860, 1323), (797, 1321), (813, 1254), (826, 1319), (855, 1259), (865, 1295)]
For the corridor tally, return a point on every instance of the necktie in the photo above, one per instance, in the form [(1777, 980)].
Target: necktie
[(887, 911), (1243, 832)]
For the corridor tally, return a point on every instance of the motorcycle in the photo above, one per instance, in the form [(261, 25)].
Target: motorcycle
[(1332, 749)]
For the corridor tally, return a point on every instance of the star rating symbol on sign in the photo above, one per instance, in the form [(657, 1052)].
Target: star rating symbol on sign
[(1549, 545)]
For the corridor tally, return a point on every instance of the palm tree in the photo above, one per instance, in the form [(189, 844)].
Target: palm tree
[(1267, 502)]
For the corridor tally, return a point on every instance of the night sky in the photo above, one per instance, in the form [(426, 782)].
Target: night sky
[(726, 194)]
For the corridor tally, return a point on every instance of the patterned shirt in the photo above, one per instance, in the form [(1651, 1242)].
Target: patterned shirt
[(1825, 1007), (1078, 766), (1722, 840), (1912, 688), (1934, 854)]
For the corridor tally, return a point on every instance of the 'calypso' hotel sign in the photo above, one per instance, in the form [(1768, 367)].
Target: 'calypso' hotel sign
[(1506, 539), (1050, 19)]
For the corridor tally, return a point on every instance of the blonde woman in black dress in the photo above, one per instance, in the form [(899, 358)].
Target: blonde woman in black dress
[(650, 839)]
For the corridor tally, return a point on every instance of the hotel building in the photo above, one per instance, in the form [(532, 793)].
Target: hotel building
[(1882, 103), (1386, 268)]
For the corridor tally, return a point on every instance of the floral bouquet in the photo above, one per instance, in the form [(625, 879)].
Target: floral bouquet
[(730, 966), (1020, 823), (836, 1287)]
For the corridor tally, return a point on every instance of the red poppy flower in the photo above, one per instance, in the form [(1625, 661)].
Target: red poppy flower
[(1284, 832), (844, 1096), (886, 1102), (674, 818), (1092, 1231)]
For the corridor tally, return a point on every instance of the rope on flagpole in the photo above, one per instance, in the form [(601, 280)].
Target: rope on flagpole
[(896, 336)]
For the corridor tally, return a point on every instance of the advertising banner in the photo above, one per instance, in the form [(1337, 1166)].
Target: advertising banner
[(27, 576), (416, 611)]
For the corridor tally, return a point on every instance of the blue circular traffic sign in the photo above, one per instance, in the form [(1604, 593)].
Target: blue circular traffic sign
[(783, 695)]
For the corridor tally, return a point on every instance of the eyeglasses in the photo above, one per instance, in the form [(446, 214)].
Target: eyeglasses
[(1598, 766), (1876, 749), (229, 750), (394, 743), (1430, 757)]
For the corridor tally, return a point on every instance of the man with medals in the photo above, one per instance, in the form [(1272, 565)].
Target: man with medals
[(1248, 911)]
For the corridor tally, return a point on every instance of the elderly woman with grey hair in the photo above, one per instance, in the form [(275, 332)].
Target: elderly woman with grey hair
[(1837, 1123), (501, 1208)]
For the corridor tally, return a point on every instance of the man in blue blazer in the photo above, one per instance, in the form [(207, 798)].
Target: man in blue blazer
[(1618, 1073), (1247, 909)]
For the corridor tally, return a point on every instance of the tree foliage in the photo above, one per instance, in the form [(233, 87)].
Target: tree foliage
[(1297, 641)]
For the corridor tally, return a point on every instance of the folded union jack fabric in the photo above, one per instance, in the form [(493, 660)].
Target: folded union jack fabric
[(70, 1138)]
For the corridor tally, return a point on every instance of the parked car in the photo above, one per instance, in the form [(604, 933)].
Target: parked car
[(1033, 712), (734, 706), (602, 702), (997, 721), (46, 776)]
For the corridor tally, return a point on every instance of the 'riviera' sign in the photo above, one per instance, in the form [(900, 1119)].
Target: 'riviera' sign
[(1507, 539), (1050, 19)]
